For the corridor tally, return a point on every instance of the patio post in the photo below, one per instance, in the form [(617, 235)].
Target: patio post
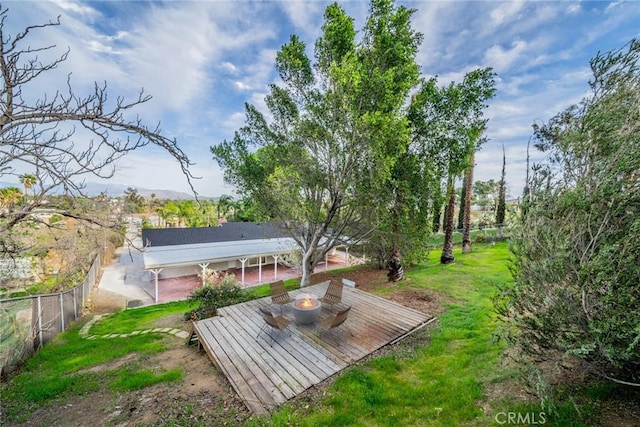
[(326, 261), (204, 270), (275, 266), (259, 269), (156, 272), (242, 260), (346, 255)]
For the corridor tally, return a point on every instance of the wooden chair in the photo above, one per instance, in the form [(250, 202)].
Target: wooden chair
[(278, 323), (333, 294), (279, 294), (335, 320)]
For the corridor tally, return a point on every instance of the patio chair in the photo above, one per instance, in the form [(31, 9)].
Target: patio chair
[(335, 320), (333, 294), (279, 294), (278, 323)]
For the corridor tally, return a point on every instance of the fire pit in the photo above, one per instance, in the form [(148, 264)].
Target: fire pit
[(306, 308)]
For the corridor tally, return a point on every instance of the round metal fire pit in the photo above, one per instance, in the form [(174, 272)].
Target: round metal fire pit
[(306, 308)]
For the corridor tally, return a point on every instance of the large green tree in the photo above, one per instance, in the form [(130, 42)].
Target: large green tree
[(132, 201), (577, 251), (335, 134)]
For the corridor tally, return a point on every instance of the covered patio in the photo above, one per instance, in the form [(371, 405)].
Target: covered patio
[(179, 288), (266, 374), (248, 250)]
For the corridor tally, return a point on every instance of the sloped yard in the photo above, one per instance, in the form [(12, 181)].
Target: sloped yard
[(449, 374)]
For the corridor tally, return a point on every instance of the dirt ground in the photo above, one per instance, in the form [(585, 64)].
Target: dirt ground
[(203, 396)]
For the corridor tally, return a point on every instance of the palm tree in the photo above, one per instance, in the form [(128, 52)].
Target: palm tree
[(9, 196), (466, 213), (476, 140), (224, 204), (27, 181), (447, 256), (186, 212), (169, 213), (500, 209)]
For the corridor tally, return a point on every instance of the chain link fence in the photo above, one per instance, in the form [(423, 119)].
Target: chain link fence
[(27, 323)]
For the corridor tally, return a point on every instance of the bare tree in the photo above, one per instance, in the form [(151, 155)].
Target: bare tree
[(62, 138)]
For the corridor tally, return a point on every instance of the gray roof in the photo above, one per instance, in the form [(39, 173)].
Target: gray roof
[(193, 254), (174, 247), (229, 232)]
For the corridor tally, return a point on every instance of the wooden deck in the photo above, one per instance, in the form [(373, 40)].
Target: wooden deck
[(265, 376)]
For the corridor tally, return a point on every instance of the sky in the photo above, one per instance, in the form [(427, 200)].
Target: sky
[(201, 61)]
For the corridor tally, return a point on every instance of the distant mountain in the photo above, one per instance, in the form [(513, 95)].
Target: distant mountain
[(116, 190)]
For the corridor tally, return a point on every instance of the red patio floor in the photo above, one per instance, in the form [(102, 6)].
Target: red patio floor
[(179, 288)]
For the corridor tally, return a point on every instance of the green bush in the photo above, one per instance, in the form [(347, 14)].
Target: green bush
[(576, 289), (55, 218), (211, 297), (146, 223)]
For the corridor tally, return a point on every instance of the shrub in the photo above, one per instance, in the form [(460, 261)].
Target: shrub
[(211, 297), (576, 289), (55, 218)]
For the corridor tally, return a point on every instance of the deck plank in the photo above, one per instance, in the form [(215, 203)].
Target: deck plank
[(265, 374)]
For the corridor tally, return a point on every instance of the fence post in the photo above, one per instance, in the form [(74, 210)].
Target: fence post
[(75, 304), (39, 321), (61, 312)]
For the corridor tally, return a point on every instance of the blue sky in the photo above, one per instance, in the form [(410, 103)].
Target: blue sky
[(202, 60)]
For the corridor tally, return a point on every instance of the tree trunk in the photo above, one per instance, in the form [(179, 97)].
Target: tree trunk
[(466, 218), (396, 272), (501, 208), (447, 249), (463, 203), (307, 269)]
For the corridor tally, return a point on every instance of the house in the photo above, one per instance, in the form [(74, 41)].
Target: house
[(176, 252)]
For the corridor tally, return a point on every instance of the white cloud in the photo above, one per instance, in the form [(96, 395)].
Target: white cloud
[(76, 7), (96, 46), (613, 5), (515, 85), (574, 8), (502, 59), (506, 12), (228, 66), (241, 86), (436, 22), (306, 16), (233, 121)]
